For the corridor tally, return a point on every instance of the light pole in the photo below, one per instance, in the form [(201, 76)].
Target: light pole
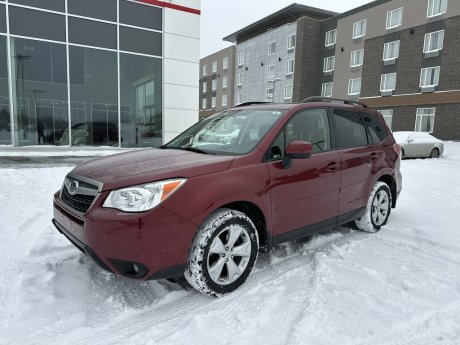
[(273, 81)]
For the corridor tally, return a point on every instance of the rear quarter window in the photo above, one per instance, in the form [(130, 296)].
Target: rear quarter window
[(376, 128)]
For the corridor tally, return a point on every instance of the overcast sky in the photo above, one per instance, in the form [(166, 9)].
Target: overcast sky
[(220, 18)]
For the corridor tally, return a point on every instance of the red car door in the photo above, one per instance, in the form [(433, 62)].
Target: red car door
[(358, 159), (306, 192)]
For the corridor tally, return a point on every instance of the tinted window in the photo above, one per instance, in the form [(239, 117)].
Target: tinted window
[(310, 125), (39, 24), (54, 5), (100, 9), (2, 19), (92, 33), (140, 15), (140, 41), (376, 129), (350, 129)]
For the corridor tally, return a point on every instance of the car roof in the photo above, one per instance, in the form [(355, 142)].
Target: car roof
[(288, 106)]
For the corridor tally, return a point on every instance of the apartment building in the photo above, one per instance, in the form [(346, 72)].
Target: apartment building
[(401, 57), (274, 54), (217, 72)]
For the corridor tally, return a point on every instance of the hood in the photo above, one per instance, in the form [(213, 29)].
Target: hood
[(142, 166)]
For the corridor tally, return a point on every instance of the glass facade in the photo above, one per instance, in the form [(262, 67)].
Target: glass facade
[(81, 80)]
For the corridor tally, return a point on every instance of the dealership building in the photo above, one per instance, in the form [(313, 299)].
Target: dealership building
[(116, 73)]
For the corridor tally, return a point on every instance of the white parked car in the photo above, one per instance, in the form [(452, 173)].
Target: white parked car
[(419, 144)]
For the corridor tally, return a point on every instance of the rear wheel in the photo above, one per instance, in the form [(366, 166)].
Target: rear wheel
[(434, 153), (223, 253), (377, 210)]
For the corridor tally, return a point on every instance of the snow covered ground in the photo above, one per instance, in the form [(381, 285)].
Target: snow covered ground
[(399, 286)]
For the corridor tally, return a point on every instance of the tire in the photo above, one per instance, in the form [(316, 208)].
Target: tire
[(403, 154), (378, 209), (434, 153), (213, 267)]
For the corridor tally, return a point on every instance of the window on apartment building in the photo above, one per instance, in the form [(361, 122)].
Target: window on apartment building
[(289, 66), (269, 93), (291, 42), (205, 87), (394, 18), (240, 59), (213, 102), (240, 98), (205, 69), (224, 81), (214, 85), (424, 121), (387, 116), (204, 103), (436, 7), (359, 28), (357, 58), (270, 71), (354, 86), (330, 38), (214, 66), (388, 82), (391, 50), (329, 64), (429, 76), (433, 41), (239, 79), (272, 48), (224, 100), (288, 91), (326, 89), (225, 62)]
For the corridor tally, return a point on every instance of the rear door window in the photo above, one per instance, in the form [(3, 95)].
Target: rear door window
[(350, 129)]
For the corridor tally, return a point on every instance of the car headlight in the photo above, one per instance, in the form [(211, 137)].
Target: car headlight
[(144, 197)]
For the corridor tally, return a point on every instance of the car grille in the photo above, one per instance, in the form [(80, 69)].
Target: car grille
[(78, 201)]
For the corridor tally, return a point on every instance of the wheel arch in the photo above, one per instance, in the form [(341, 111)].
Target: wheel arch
[(390, 181), (258, 218)]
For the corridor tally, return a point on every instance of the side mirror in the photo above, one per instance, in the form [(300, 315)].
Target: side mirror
[(297, 150)]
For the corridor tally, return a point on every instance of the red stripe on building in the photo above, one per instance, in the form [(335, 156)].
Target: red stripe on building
[(172, 6)]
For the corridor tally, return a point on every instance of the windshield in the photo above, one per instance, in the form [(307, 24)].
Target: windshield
[(233, 132)]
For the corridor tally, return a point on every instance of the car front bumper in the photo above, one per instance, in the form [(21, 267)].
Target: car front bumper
[(149, 245)]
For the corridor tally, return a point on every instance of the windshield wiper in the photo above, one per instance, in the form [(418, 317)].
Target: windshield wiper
[(194, 149)]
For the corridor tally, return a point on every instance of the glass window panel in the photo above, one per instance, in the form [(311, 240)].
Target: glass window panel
[(141, 41), (82, 31), (26, 22), (140, 15), (5, 120), (100, 9), (53, 5), (350, 129), (391, 50), (40, 89), (93, 96), (2, 18), (330, 37), (141, 95)]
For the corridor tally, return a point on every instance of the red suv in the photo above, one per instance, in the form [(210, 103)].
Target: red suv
[(238, 182)]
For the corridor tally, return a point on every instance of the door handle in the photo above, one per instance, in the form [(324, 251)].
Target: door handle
[(332, 166), (374, 156)]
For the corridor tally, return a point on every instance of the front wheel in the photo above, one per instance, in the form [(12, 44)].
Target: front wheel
[(223, 253), (377, 210)]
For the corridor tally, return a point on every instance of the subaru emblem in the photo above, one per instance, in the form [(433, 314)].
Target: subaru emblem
[(73, 187)]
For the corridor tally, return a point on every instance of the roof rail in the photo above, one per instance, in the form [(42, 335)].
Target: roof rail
[(251, 103), (330, 99)]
